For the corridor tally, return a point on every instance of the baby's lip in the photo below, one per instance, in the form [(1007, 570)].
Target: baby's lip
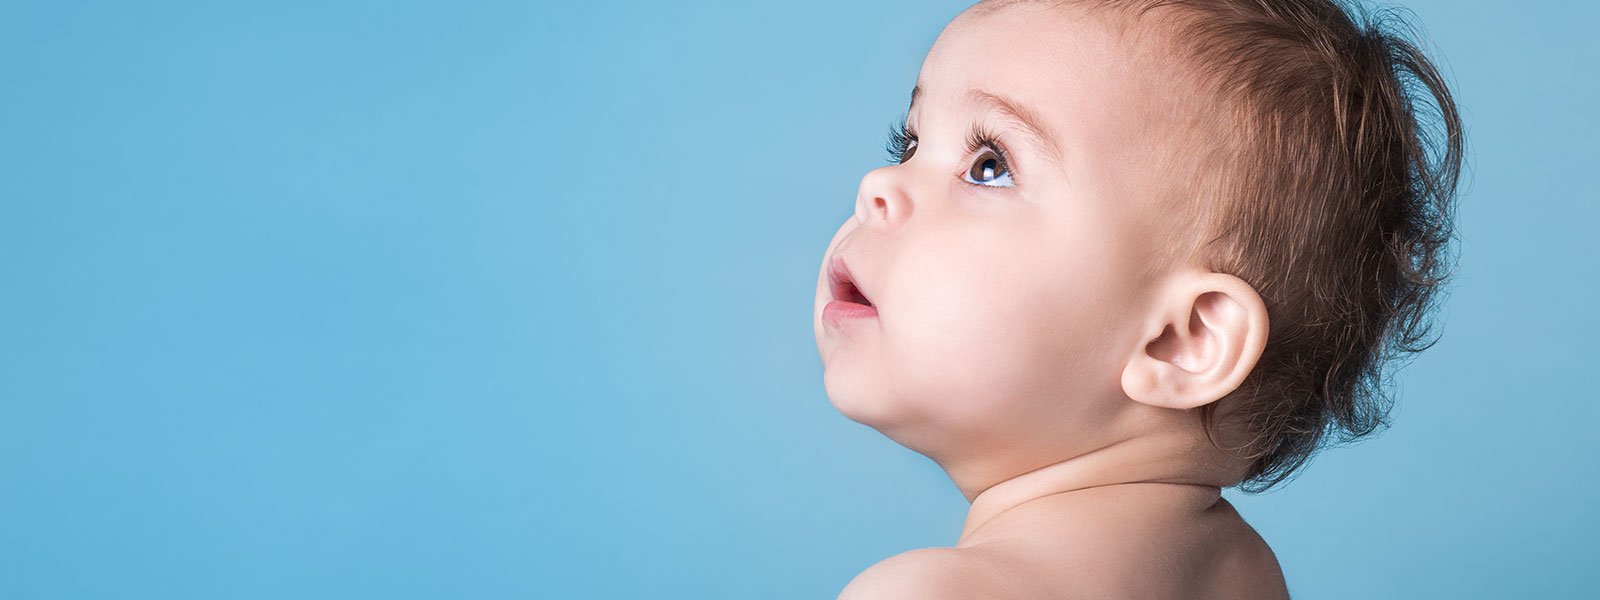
[(843, 285)]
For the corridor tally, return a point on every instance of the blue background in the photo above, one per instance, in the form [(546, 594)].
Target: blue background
[(406, 299)]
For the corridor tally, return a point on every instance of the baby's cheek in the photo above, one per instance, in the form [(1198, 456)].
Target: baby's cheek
[(970, 339)]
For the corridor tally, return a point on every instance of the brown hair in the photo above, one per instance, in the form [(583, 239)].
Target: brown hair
[(1339, 150)]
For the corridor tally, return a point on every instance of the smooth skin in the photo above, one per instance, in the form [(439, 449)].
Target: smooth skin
[(1046, 336)]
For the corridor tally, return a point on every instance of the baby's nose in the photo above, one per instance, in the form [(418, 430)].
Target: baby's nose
[(882, 199)]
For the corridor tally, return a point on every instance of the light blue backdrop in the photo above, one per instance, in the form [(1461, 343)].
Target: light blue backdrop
[(406, 299)]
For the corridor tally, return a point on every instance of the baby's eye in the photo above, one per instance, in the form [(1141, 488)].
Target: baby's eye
[(902, 143), (989, 169), (909, 151)]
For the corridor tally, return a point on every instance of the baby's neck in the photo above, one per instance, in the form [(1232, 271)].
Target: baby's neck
[(1175, 458)]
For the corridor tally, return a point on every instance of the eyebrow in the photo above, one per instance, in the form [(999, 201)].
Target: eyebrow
[(1027, 119)]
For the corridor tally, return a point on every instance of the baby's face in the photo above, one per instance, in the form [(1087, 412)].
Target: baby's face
[(1006, 278)]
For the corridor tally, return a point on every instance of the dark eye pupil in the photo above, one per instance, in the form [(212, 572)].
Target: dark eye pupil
[(986, 169)]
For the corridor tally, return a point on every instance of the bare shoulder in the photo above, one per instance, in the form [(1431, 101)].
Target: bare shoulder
[(1245, 566), (1124, 544), (1206, 550), (928, 574)]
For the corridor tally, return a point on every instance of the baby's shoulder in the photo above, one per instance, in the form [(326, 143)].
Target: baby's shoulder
[(1105, 544), (933, 574), (1089, 548), (1024, 571), (1118, 545)]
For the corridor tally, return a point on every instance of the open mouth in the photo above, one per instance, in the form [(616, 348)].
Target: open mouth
[(844, 285)]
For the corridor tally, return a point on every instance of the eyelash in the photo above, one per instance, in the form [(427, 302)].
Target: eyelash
[(899, 145), (901, 137)]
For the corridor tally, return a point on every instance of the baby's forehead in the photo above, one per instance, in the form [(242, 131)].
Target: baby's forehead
[(1110, 93), (1086, 74), (1053, 54)]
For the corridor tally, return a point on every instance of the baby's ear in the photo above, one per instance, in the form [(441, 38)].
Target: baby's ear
[(1205, 334)]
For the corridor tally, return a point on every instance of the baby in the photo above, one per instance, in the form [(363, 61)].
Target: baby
[(1127, 254)]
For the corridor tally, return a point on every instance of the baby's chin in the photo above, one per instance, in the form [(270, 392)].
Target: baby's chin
[(852, 394), (908, 417), (905, 419), (862, 395)]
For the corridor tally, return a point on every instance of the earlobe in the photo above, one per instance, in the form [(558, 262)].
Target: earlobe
[(1205, 335)]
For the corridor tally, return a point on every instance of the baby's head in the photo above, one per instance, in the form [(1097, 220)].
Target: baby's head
[(1106, 222)]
